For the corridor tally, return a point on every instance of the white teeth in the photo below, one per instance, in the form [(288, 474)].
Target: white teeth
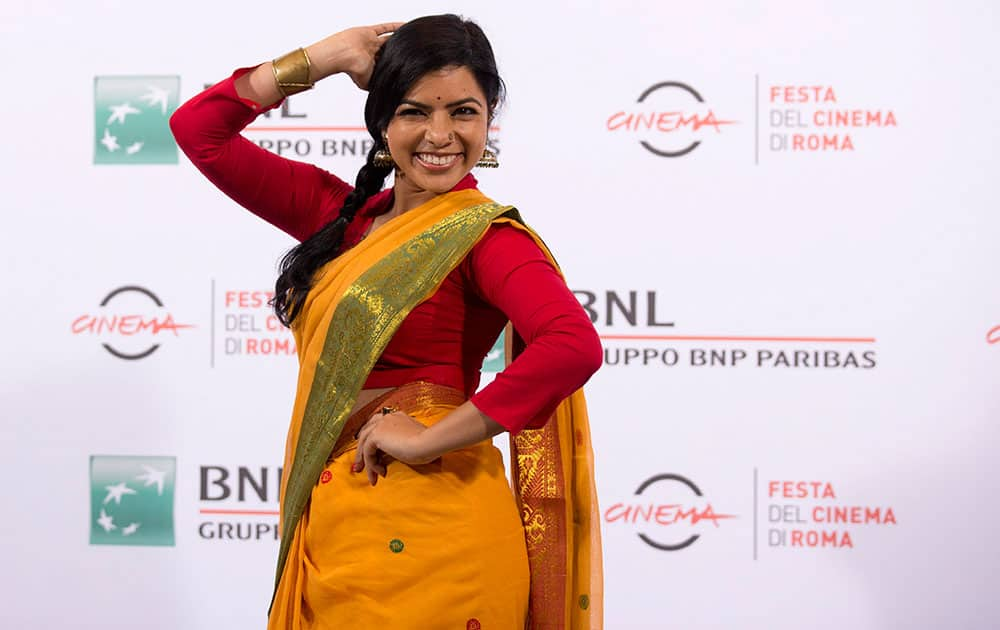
[(437, 160)]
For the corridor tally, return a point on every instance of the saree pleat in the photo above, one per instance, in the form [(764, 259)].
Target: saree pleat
[(469, 552)]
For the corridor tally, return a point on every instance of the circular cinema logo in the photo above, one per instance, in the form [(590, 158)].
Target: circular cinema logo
[(669, 512), (131, 323), (671, 119)]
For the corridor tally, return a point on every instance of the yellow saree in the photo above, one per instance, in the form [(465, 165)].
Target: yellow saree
[(463, 530)]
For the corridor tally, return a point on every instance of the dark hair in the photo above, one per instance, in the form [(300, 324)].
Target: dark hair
[(417, 48)]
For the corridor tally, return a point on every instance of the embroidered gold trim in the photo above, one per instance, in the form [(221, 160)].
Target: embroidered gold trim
[(364, 321)]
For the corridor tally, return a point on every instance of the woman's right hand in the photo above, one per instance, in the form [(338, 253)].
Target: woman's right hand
[(351, 52)]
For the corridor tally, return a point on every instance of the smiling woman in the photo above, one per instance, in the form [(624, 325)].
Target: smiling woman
[(396, 512), (435, 137), (438, 132)]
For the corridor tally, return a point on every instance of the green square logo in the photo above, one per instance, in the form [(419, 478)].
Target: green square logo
[(495, 359), (131, 119), (132, 500)]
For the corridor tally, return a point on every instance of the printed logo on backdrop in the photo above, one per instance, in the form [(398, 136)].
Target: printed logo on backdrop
[(993, 335), (814, 118), (131, 115), (809, 514), (638, 332), (238, 503), (131, 322), (670, 119), (245, 328), (132, 500), (495, 360), (295, 132), (668, 512)]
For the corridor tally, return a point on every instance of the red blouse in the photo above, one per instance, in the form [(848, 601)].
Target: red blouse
[(444, 339)]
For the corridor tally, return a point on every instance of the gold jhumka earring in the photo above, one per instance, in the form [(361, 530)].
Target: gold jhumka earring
[(382, 159), (489, 160)]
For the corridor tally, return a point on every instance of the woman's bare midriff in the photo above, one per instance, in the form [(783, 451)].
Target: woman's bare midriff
[(368, 395)]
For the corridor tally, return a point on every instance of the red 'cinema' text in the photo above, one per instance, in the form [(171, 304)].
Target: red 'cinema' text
[(665, 122), (856, 515), (664, 514), (126, 325)]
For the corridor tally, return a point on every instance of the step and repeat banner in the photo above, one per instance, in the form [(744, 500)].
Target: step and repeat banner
[(780, 216)]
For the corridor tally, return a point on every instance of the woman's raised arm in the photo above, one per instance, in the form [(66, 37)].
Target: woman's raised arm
[(296, 197)]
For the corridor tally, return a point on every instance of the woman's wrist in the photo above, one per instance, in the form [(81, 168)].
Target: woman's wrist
[(425, 449), (327, 57), (461, 428), (259, 86)]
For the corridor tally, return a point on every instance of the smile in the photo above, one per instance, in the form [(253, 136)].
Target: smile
[(437, 162)]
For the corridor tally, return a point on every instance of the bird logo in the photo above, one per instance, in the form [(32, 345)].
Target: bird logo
[(131, 119), (131, 500)]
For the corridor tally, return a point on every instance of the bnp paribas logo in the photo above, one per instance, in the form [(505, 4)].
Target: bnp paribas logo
[(131, 116), (132, 500)]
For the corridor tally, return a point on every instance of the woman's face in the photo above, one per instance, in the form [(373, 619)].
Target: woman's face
[(438, 132)]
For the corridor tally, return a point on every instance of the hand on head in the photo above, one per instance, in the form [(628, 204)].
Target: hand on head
[(353, 51)]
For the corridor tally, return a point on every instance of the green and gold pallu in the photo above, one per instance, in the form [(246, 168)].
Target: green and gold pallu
[(358, 302)]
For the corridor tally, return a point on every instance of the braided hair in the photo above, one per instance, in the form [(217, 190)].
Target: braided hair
[(299, 265), (415, 49)]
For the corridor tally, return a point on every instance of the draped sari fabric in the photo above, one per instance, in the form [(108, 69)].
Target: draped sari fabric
[(553, 478), (354, 308)]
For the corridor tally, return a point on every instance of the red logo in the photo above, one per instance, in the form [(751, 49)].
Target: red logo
[(251, 327), (134, 325), (667, 518), (673, 122), (807, 514), (472, 624), (812, 118), (326, 477), (993, 336)]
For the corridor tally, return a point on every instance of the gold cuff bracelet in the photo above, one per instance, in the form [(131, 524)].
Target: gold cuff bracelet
[(291, 72)]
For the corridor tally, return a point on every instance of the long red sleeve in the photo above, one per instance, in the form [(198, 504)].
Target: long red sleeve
[(296, 197), (562, 348)]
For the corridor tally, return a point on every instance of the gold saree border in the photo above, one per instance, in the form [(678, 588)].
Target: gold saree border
[(553, 477), (364, 319)]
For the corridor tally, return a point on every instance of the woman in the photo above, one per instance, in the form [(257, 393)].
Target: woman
[(394, 298)]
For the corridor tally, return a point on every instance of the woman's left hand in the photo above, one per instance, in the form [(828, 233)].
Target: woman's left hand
[(395, 435)]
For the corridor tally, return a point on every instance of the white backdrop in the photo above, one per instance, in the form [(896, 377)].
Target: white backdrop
[(834, 349)]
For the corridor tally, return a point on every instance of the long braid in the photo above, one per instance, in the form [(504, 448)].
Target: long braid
[(298, 267)]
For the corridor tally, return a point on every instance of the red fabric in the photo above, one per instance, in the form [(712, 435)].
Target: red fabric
[(445, 339)]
